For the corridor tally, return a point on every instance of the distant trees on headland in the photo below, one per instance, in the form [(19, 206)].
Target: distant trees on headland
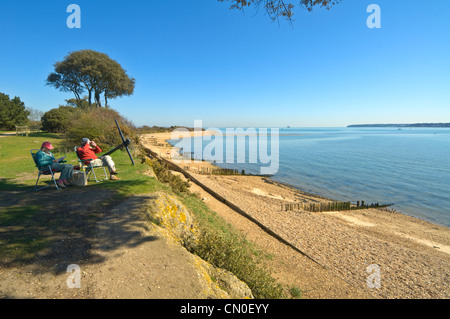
[(403, 125)]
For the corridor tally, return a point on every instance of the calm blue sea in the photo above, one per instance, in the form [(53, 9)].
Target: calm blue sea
[(409, 167)]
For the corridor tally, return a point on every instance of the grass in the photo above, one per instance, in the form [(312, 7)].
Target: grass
[(295, 292), (31, 229)]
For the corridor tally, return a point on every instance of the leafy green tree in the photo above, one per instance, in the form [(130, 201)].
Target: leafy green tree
[(12, 112), (280, 8), (91, 72)]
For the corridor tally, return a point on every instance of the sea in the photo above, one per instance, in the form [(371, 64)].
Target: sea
[(406, 167)]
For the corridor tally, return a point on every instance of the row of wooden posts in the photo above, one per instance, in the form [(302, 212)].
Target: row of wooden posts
[(329, 206), (216, 171)]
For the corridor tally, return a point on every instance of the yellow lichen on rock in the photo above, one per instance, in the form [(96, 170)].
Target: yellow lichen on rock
[(172, 218), (174, 222)]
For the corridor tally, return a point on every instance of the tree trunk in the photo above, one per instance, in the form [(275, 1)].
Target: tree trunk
[(106, 99), (90, 97), (97, 99), (77, 97)]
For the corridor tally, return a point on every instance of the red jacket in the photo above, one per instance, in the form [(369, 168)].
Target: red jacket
[(86, 152)]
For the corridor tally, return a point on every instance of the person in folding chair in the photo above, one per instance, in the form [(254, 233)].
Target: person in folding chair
[(88, 150), (45, 157)]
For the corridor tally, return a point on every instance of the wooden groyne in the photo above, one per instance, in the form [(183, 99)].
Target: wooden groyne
[(330, 206)]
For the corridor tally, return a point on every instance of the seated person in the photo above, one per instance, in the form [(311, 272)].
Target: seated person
[(44, 158), (88, 150)]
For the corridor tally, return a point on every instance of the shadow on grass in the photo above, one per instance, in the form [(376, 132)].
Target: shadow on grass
[(50, 229)]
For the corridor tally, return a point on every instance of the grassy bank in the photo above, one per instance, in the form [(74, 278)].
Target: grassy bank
[(37, 222)]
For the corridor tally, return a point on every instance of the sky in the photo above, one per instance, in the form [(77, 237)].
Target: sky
[(198, 60)]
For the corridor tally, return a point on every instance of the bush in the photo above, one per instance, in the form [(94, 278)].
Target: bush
[(164, 175), (98, 125), (59, 120), (234, 254)]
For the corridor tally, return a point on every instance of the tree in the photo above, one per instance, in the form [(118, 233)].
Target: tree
[(92, 72), (281, 8), (35, 116), (12, 112)]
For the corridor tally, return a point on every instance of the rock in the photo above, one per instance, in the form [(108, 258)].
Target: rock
[(220, 283), (173, 218)]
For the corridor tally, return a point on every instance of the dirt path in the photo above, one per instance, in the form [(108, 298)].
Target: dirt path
[(147, 266)]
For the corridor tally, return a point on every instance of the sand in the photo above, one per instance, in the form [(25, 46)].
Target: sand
[(348, 250)]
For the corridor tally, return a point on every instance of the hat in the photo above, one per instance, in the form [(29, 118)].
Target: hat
[(85, 140), (47, 145)]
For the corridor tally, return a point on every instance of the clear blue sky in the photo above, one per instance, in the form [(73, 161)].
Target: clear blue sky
[(198, 60)]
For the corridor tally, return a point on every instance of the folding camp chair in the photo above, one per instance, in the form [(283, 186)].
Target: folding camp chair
[(89, 168), (45, 170)]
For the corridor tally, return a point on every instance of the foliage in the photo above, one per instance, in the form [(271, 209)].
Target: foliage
[(281, 8), (221, 245), (12, 112), (59, 120), (164, 175), (295, 292), (145, 129), (92, 72), (82, 104), (98, 124)]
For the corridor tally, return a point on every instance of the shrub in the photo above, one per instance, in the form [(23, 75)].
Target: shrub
[(98, 125), (234, 254), (164, 175), (59, 120)]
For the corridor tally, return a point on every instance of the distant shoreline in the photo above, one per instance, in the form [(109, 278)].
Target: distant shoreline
[(434, 125)]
